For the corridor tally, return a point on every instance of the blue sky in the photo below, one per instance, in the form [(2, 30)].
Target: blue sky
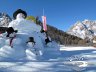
[(60, 13)]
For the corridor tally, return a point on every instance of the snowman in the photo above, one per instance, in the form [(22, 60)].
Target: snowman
[(14, 40), (26, 30), (22, 39), (25, 41)]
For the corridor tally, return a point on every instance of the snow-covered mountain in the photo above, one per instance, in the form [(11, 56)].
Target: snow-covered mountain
[(20, 50), (4, 19), (85, 29)]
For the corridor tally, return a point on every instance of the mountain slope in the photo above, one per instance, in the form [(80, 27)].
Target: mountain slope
[(4, 19), (85, 29)]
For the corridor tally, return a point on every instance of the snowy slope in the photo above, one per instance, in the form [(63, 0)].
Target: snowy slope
[(72, 59), (84, 29)]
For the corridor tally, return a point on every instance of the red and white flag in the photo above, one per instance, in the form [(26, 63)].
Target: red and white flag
[(44, 23)]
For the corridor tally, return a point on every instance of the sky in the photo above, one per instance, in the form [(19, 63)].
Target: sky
[(61, 14)]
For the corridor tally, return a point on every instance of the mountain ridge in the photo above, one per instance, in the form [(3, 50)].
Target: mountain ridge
[(84, 29)]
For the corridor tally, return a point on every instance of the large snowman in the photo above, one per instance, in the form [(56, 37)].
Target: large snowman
[(26, 29), (28, 43)]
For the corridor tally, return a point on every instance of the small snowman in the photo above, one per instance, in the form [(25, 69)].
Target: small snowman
[(31, 42)]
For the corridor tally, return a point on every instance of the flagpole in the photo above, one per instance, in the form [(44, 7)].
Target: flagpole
[(43, 11)]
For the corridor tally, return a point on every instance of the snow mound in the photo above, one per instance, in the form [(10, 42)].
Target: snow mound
[(15, 53)]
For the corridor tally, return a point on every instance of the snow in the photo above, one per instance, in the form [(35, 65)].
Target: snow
[(76, 48), (71, 60), (2, 42), (94, 41), (1, 19)]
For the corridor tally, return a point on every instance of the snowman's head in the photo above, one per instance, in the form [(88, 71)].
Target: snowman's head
[(19, 14)]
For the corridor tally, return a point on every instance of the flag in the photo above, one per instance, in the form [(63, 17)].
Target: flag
[(44, 23)]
